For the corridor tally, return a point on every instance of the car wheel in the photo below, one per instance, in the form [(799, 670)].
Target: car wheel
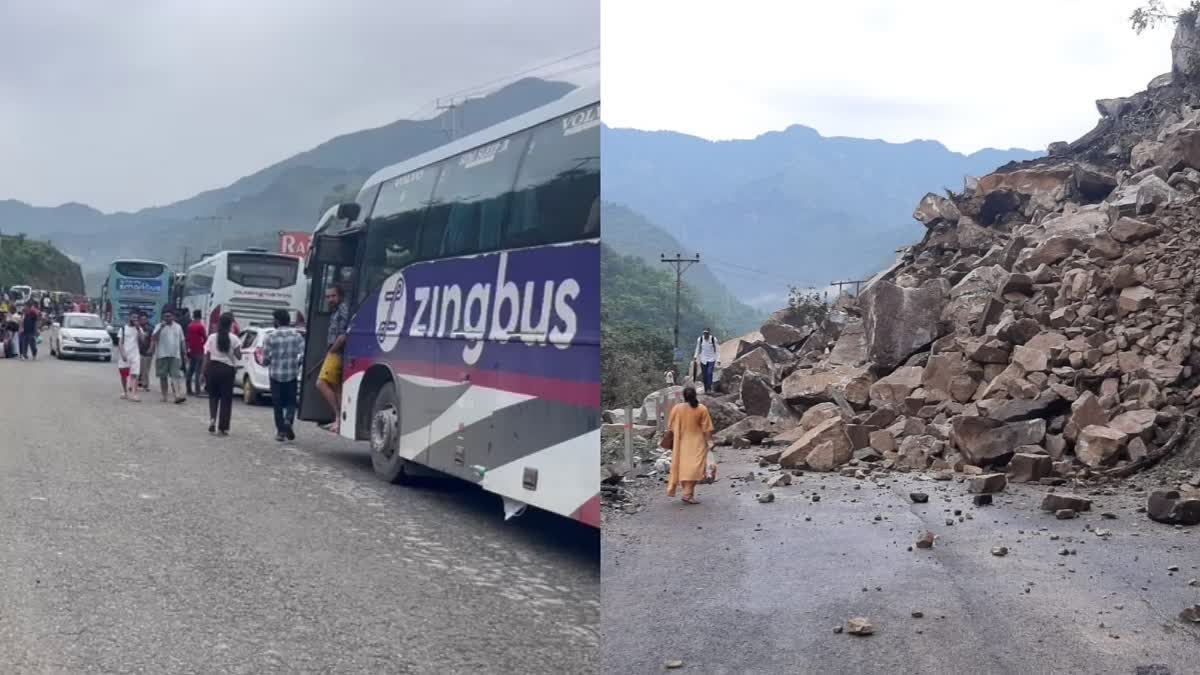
[(249, 393), (385, 437)]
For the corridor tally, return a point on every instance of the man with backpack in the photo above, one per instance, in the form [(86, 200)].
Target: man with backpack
[(708, 356)]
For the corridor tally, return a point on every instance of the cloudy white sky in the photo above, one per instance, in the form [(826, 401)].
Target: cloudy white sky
[(969, 73), (125, 104)]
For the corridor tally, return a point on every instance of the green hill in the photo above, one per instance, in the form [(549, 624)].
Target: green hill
[(637, 304), (629, 233), (37, 264)]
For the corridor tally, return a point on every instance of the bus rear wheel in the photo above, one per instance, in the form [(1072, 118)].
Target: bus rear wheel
[(385, 437)]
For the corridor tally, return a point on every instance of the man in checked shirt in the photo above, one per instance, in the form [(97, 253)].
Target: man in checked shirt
[(281, 354)]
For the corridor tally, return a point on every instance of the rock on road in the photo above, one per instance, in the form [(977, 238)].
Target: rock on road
[(735, 586), (133, 541)]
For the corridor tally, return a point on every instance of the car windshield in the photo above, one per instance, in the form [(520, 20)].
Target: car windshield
[(83, 322)]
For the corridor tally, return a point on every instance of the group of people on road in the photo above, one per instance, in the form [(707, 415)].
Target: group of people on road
[(187, 357), (19, 331)]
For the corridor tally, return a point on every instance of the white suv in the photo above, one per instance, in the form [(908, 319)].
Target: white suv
[(252, 375)]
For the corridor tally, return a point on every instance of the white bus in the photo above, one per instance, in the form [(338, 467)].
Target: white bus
[(20, 294), (251, 283)]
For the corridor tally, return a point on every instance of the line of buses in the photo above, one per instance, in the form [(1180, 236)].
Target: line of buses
[(473, 273)]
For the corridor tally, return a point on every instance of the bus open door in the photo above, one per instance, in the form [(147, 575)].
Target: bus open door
[(332, 259)]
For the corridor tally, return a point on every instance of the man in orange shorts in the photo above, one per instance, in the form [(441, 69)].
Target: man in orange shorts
[(329, 382)]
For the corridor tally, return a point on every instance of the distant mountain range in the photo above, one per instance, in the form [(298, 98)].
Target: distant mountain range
[(288, 195), (788, 207)]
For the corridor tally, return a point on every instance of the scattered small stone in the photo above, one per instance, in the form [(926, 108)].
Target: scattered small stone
[(859, 626), (1173, 568), (1152, 669), (838, 629), (918, 497), (816, 498), (1064, 551), (982, 500), (673, 664), (949, 521), (917, 614), (925, 540), (1191, 614), (1108, 515), (766, 497), (999, 551), (1064, 514)]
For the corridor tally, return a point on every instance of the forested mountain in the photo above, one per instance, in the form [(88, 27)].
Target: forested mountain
[(37, 264)]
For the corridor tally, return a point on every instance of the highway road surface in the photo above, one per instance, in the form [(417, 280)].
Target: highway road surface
[(133, 541), (736, 586)]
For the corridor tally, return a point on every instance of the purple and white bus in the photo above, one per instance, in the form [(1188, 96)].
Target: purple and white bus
[(473, 273)]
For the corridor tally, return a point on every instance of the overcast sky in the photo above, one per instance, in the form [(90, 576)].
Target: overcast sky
[(125, 104), (969, 73)]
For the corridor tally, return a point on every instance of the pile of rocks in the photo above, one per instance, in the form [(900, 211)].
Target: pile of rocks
[(1044, 327)]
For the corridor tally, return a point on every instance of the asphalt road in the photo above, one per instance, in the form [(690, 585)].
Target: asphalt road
[(735, 586), (133, 541)]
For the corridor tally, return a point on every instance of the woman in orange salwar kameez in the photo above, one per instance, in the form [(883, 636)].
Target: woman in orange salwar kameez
[(692, 427)]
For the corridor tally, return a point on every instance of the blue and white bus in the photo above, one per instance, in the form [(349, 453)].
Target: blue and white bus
[(142, 285), (473, 273)]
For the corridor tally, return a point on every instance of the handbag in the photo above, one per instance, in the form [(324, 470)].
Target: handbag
[(668, 440)]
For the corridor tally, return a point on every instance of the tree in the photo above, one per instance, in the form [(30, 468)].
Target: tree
[(806, 307), (1155, 13)]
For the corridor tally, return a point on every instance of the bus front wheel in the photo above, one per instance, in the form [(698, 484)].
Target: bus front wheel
[(385, 437)]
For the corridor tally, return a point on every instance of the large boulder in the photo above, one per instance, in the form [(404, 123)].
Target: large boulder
[(753, 429), (1135, 299), (1134, 422), (1099, 446), (897, 386), (822, 448), (851, 346), (947, 377), (756, 394), (898, 322), (1173, 508), (1185, 51), (1049, 252), (1082, 224), (1044, 186), (983, 440), (724, 413), (823, 384), (935, 209), (1127, 230), (780, 334), (757, 360), (970, 297), (917, 452)]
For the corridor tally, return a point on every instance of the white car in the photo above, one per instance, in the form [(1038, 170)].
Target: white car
[(79, 334), (252, 375)]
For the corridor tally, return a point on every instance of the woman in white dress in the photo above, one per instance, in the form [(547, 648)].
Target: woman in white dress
[(129, 358)]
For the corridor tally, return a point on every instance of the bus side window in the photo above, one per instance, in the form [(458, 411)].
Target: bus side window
[(395, 226), (472, 199), (558, 190)]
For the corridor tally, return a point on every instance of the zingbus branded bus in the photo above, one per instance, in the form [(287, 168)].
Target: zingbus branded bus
[(142, 285), (473, 273), (251, 283)]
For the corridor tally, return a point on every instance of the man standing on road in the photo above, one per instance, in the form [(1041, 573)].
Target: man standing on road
[(196, 336), (282, 353), (329, 382), (29, 330), (146, 351), (129, 360), (707, 355), (169, 352)]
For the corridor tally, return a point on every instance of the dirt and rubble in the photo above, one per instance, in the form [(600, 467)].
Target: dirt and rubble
[(1045, 327)]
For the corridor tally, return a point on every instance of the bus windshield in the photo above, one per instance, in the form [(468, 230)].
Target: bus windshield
[(139, 270), (262, 271)]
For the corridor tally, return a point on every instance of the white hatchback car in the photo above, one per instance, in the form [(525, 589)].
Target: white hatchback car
[(79, 334), (252, 376)]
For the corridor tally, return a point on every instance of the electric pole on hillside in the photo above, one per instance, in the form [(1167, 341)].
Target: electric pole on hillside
[(681, 265), (453, 107)]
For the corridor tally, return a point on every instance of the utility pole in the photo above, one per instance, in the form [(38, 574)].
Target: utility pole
[(453, 107), (681, 265), (217, 219)]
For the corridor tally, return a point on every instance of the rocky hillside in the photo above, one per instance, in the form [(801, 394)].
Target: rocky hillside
[(1043, 330), (37, 264)]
